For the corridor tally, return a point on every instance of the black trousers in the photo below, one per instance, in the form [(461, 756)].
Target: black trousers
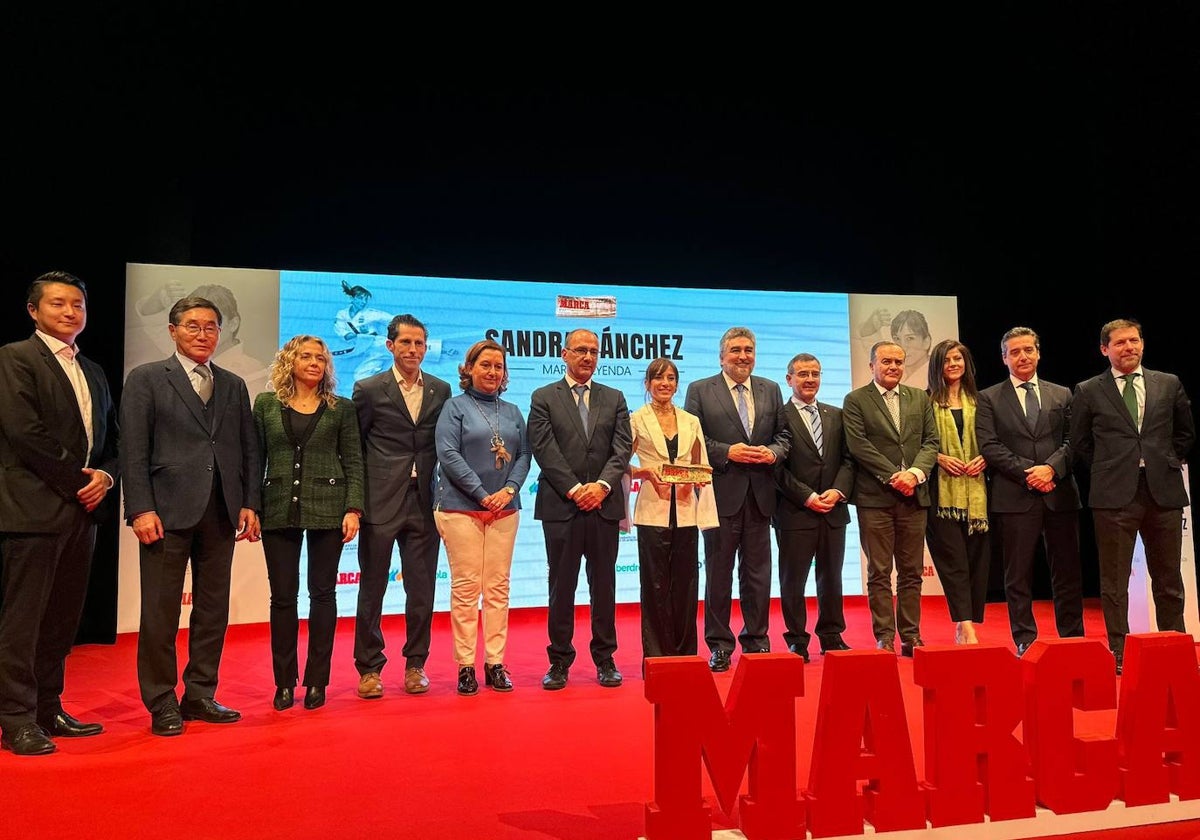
[(209, 546), (668, 564), (1059, 530), (282, 550), (825, 548), (590, 537), (746, 537), (962, 560), (44, 582), (416, 535), (1162, 535)]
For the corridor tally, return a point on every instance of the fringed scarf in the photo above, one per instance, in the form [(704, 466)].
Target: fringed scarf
[(961, 497)]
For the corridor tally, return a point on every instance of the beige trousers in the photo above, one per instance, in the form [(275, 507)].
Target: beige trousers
[(480, 558)]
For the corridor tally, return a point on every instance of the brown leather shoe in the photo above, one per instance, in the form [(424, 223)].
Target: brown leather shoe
[(415, 681), (370, 686)]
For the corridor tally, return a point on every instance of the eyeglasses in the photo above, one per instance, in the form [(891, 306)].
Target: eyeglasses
[(193, 329), (585, 351)]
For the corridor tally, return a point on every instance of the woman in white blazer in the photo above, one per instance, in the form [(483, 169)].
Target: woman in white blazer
[(668, 516)]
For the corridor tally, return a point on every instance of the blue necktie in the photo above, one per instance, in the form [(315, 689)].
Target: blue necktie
[(580, 390), (1032, 406), (814, 423), (743, 408)]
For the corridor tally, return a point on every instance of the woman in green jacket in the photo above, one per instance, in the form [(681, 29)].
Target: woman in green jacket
[(313, 483)]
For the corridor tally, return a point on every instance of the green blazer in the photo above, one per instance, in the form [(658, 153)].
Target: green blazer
[(315, 488)]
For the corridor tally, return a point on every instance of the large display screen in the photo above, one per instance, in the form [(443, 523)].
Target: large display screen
[(635, 324)]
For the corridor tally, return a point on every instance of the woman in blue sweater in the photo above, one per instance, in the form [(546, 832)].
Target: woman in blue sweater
[(483, 459)]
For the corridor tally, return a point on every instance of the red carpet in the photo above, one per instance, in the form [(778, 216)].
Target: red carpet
[(570, 765)]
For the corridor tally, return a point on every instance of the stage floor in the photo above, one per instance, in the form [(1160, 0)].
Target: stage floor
[(574, 764)]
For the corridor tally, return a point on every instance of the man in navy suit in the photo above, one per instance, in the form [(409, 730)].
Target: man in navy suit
[(1133, 428), (192, 481), (580, 435), (815, 480), (397, 416), (893, 437), (1021, 425), (741, 416), (58, 460)]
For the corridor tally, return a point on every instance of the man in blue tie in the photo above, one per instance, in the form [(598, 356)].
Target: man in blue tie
[(1021, 425), (810, 520), (1133, 428), (580, 435), (741, 416)]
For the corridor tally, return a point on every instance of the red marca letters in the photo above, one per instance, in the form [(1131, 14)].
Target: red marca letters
[(974, 699)]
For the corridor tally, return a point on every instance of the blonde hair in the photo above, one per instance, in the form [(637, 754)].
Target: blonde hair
[(284, 384)]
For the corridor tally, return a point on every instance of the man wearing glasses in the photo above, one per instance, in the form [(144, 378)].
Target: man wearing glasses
[(192, 481), (580, 435)]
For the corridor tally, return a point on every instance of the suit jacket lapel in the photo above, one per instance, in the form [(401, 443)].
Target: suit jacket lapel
[(572, 406), (801, 431), (391, 388), (179, 380), (657, 439), (1111, 390), (60, 376), (725, 397)]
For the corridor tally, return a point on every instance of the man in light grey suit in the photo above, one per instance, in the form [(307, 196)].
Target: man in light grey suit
[(397, 415), (1133, 428), (742, 419), (893, 437), (192, 481), (1021, 425), (580, 435)]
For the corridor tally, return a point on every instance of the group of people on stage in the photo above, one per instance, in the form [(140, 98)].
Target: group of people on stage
[(405, 464)]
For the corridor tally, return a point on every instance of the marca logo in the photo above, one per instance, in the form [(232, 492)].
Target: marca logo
[(974, 699), (569, 306)]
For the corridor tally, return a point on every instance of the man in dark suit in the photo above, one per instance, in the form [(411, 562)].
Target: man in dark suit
[(1133, 428), (815, 480), (741, 416), (58, 460), (1021, 425), (892, 435), (192, 481), (397, 414), (580, 435)]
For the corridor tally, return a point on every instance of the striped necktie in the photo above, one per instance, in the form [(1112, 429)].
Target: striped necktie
[(814, 424)]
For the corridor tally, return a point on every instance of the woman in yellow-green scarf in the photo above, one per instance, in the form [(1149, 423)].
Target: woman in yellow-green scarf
[(957, 527)]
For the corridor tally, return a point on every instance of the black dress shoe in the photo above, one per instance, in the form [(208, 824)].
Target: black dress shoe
[(906, 648), (1022, 647), (799, 651), (888, 645), (166, 721), (1120, 657), (833, 643), (63, 725), (28, 739), (467, 684), (497, 677), (314, 697), (719, 661), (608, 675), (555, 678), (209, 711), (285, 698)]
